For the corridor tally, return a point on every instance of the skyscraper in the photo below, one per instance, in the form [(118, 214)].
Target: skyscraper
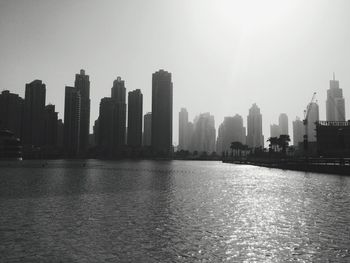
[(298, 132), (255, 137), (183, 125), (313, 117), (135, 118), (283, 124), (147, 129), (34, 108), (118, 95), (82, 84), (11, 110), (275, 130), (204, 133), (162, 112), (50, 126), (72, 121), (335, 104)]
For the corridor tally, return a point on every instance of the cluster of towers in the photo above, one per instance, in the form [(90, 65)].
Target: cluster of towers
[(117, 129)]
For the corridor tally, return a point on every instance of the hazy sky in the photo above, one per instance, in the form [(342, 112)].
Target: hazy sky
[(224, 55)]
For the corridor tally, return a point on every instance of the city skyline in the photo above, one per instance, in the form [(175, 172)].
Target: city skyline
[(223, 61)]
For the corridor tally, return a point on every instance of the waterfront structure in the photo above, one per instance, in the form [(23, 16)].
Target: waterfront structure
[(82, 85), (333, 138), (298, 132), (255, 138), (312, 118), (204, 133), (72, 121), (118, 93), (183, 122), (335, 104), (33, 115), (134, 137), (275, 130), (11, 111), (147, 129), (50, 126), (283, 124), (162, 113)]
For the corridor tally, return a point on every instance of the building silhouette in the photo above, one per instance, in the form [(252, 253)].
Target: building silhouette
[(312, 118), (255, 138), (283, 124), (298, 132), (335, 104), (119, 95), (33, 116), (135, 118), (71, 137), (82, 85), (50, 126), (183, 133), (162, 113), (11, 111), (204, 133), (60, 133), (275, 130), (147, 129)]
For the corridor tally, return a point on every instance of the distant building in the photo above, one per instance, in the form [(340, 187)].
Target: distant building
[(82, 84), (298, 132), (60, 133), (50, 126), (275, 130), (11, 111), (162, 113), (255, 137), (33, 116), (119, 96), (313, 117), (96, 131), (72, 121), (135, 118), (333, 138), (283, 124), (183, 134), (335, 104), (204, 133), (189, 136), (147, 129)]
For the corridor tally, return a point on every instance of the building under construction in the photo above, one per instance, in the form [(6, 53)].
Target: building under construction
[(333, 138)]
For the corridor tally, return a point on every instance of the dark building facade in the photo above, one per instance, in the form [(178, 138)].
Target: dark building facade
[(162, 113), (118, 95), (60, 133), (82, 84), (72, 121), (135, 118), (147, 129), (333, 138), (11, 111), (33, 115), (50, 126)]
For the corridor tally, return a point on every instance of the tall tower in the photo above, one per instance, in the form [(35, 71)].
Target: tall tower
[(312, 118), (162, 113), (71, 136), (335, 104), (118, 95), (183, 123), (147, 129), (298, 132), (135, 118), (255, 137), (283, 124), (50, 124), (11, 110), (34, 108), (82, 84)]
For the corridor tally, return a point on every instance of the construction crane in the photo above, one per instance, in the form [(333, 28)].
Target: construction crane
[(305, 121)]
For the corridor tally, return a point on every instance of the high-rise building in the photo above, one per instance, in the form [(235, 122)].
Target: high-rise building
[(283, 124), (96, 131), (204, 133), (255, 137), (135, 118), (72, 121), (183, 125), (162, 113), (118, 95), (34, 108), (275, 130), (189, 136), (50, 126), (82, 84), (298, 132), (313, 117), (11, 110), (60, 133), (147, 129), (335, 104)]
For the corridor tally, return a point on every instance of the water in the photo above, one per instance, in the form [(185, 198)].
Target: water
[(171, 211)]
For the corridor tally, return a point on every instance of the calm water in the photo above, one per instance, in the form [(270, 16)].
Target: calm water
[(99, 211)]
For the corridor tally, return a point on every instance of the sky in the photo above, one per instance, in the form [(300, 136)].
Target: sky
[(224, 55)]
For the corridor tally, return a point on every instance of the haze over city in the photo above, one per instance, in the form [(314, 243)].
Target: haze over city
[(223, 55)]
